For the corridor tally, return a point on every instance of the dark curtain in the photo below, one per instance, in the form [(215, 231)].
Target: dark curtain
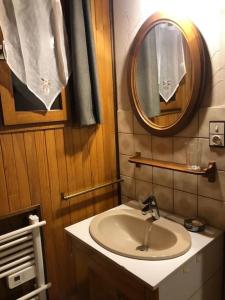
[(84, 82)]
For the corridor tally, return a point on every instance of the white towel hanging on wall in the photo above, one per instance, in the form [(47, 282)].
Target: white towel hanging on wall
[(36, 46), (170, 59)]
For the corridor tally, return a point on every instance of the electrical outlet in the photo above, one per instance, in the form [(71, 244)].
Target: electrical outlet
[(216, 133)]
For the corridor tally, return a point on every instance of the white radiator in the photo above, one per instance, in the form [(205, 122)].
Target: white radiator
[(19, 250)]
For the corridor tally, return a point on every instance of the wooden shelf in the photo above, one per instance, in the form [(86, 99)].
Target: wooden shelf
[(209, 172)]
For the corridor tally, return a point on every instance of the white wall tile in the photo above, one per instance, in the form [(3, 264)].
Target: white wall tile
[(126, 143), (185, 182), (179, 149), (163, 177), (128, 187), (212, 211), (215, 190), (185, 204), (164, 197), (143, 173), (143, 189), (191, 129), (142, 143), (125, 121), (125, 199), (162, 148), (126, 168)]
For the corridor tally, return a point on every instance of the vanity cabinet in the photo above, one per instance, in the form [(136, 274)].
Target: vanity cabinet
[(104, 275), (200, 278), (107, 284), (98, 278)]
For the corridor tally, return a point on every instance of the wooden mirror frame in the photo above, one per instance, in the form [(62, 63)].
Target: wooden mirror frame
[(197, 56)]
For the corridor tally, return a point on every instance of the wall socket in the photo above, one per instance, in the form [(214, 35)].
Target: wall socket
[(216, 133)]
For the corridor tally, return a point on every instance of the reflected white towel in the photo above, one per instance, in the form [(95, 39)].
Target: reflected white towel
[(36, 46), (170, 59), (147, 77)]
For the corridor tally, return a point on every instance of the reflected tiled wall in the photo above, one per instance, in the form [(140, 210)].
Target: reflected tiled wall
[(185, 194)]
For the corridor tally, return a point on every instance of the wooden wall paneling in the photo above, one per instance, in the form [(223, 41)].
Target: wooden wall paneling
[(87, 173), (22, 171), (41, 174), (10, 171), (97, 154), (46, 207), (59, 219), (4, 201), (76, 212), (73, 160), (81, 201), (99, 43), (62, 171), (96, 162), (102, 197), (65, 209), (103, 48), (38, 164), (32, 162), (110, 112)]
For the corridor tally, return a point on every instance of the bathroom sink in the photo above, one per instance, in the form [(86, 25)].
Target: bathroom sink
[(127, 232)]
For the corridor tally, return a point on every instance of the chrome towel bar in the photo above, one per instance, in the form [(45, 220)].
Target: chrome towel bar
[(97, 187)]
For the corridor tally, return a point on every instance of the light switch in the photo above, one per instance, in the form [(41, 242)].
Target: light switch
[(216, 127), (216, 133)]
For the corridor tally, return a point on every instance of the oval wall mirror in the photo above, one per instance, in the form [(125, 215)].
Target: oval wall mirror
[(166, 73)]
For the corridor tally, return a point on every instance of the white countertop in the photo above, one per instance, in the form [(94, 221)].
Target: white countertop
[(151, 272)]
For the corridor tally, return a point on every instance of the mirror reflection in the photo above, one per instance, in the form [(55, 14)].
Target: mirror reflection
[(163, 74)]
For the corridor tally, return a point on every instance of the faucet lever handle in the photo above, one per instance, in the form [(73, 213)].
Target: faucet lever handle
[(151, 200), (150, 205)]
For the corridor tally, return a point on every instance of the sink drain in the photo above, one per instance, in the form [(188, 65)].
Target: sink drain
[(142, 248)]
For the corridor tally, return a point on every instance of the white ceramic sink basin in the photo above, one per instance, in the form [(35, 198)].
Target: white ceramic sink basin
[(129, 233)]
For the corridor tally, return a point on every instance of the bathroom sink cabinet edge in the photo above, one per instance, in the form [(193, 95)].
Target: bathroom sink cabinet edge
[(100, 275), (99, 278)]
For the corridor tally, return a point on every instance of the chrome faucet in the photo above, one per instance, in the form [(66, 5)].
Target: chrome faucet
[(150, 206)]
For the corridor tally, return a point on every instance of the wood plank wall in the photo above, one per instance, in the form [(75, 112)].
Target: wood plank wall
[(36, 166)]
